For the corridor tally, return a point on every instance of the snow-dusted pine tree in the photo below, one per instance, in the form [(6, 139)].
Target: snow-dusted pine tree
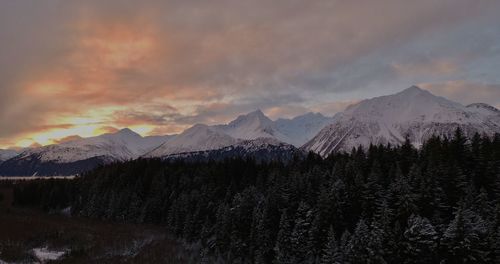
[(421, 239), (331, 253)]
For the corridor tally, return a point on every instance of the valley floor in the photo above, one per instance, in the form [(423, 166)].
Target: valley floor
[(32, 236)]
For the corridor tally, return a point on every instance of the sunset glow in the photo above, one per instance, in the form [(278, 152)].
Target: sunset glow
[(72, 70)]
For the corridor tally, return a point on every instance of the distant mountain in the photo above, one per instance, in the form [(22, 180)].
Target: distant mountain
[(197, 138), (79, 155), (296, 131), (252, 126), (260, 149), (484, 109), (299, 130), (414, 112), (6, 154), (252, 134), (245, 128)]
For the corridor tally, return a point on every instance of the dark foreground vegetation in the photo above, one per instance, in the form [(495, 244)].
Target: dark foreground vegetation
[(83, 240), (440, 204)]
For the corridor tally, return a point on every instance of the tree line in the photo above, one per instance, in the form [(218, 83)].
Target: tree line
[(383, 204)]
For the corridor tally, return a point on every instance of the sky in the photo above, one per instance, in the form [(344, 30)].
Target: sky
[(81, 68)]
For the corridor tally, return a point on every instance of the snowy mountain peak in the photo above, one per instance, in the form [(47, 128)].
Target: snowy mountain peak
[(198, 128), (258, 113), (122, 145), (251, 126), (415, 93), (410, 105), (127, 132), (484, 108), (254, 118), (414, 90), (300, 129), (199, 137), (414, 112)]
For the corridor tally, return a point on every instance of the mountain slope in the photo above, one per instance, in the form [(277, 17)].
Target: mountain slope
[(489, 112), (414, 112), (260, 149), (6, 154), (302, 128), (79, 155), (247, 128), (122, 145), (197, 138), (251, 126), (295, 131)]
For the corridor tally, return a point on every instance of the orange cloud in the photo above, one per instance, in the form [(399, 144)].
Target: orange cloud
[(67, 139), (106, 130)]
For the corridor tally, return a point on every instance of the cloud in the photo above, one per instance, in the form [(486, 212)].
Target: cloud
[(67, 139), (466, 92), (107, 129), (436, 67), (121, 63), (334, 107)]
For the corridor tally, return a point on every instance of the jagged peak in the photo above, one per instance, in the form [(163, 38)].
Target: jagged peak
[(127, 131), (414, 90), (256, 114), (252, 116), (197, 127)]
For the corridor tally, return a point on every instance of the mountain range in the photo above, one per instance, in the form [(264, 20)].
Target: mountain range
[(413, 113)]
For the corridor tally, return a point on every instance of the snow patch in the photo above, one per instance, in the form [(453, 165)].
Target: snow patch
[(44, 254)]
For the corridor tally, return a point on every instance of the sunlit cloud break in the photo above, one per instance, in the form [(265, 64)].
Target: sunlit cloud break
[(72, 69)]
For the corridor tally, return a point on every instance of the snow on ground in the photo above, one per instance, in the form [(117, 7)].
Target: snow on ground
[(44, 254)]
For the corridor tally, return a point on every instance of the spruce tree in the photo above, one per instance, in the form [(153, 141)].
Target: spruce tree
[(465, 239), (331, 253), (283, 247), (421, 240), (299, 238), (358, 247)]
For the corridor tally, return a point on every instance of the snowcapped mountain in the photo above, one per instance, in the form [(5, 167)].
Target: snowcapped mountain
[(260, 149), (484, 109), (414, 112), (197, 138), (296, 131), (302, 128), (6, 154), (245, 128), (122, 145), (252, 126), (74, 156)]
